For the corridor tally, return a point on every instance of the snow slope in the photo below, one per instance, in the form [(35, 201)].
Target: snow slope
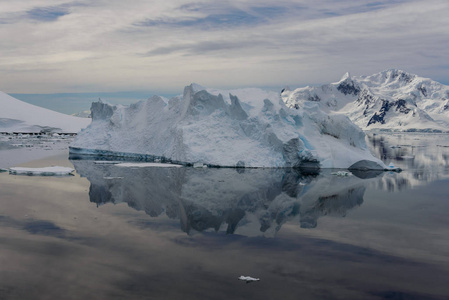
[(391, 100), (245, 128), (19, 116)]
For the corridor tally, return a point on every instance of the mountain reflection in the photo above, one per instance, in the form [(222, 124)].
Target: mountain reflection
[(252, 202), (423, 157)]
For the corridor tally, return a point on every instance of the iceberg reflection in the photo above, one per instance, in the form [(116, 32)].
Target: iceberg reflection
[(248, 202)]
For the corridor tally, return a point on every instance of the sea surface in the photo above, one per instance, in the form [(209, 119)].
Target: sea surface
[(112, 232)]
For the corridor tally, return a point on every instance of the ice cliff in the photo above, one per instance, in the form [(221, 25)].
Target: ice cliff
[(240, 128)]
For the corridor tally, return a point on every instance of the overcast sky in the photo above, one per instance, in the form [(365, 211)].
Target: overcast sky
[(50, 46)]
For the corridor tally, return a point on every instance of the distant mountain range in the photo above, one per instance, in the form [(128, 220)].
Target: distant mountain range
[(392, 100)]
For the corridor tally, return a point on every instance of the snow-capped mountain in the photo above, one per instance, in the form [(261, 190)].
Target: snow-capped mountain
[(390, 100), (239, 128), (19, 116)]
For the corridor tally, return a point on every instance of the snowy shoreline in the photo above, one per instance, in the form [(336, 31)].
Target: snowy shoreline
[(17, 150)]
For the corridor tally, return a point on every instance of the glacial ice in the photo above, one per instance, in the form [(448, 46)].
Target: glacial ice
[(241, 128)]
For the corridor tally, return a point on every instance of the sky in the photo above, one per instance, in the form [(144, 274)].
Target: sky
[(50, 46)]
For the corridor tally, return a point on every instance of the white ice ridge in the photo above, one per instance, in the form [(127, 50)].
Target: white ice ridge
[(240, 128), (46, 171)]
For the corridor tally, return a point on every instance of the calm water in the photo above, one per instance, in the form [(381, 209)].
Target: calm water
[(169, 233)]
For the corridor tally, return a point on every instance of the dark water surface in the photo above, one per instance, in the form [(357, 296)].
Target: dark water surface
[(111, 232)]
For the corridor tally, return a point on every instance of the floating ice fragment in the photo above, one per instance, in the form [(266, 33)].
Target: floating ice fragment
[(248, 279), (46, 171), (199, 165), (341, 173), (391, 167), (3, 170), (145, 165)]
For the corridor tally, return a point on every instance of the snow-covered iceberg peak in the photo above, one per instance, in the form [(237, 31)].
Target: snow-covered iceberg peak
[(245, 128)]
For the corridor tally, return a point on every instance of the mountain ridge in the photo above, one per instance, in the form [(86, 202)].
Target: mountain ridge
[(391, 100)]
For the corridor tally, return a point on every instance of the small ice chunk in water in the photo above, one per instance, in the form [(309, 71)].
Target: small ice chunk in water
[(248, 279), (46, 171), (341, 173), (391, 167), (199, 165)]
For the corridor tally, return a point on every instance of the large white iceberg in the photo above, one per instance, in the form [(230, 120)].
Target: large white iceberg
[(240, 128)]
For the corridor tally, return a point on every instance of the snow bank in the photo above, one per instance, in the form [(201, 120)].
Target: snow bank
[(246, 128), (46, 171), (19, 116)]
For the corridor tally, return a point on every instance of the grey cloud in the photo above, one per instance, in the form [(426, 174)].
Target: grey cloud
[(47, 14), (205, 47)]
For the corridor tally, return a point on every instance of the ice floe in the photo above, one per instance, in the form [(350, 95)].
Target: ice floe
[(46, 171), (147, 165)]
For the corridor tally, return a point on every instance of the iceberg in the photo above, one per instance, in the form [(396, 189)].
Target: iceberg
[(240, 128), (46, 171)]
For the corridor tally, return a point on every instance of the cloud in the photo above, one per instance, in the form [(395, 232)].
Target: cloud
[(112, 45), (43, 228), (47, 13)]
